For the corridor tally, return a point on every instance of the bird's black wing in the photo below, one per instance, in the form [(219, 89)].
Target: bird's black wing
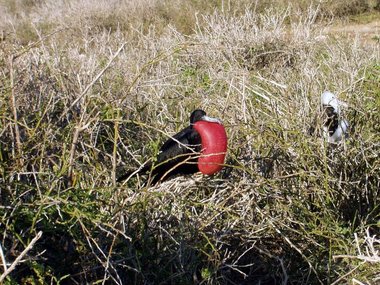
[(331, 120), (185, 142), (182, 147), (178, 155)]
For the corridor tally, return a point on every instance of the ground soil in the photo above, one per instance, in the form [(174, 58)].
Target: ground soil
[(367, 33)]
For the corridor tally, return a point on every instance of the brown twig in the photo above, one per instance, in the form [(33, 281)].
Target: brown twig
[(114, 152), (14, 111), (78, 130)]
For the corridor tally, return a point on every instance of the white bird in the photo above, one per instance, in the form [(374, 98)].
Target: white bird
[(335, 128)]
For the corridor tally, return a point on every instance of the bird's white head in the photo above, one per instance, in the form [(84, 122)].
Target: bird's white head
[(329, 99)]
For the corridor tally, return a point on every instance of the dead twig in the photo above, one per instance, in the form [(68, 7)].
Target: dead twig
[(14, 111), (97, 77), (20, 257), (78, 130), (3, 258)]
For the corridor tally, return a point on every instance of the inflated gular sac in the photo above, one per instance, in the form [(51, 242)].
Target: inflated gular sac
[(214, 146)]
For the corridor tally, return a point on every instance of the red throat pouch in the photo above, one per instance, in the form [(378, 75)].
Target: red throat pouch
[(214, 146)]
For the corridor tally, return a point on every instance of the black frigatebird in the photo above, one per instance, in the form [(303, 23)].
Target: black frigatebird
[(201, 147)]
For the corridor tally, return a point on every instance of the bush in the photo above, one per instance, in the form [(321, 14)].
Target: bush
[(99, 95)]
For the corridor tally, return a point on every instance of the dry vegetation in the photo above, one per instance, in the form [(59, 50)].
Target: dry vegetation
[(90, 89)]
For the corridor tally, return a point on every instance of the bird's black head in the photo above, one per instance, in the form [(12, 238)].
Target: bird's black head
[(200, 115), (196, 116)]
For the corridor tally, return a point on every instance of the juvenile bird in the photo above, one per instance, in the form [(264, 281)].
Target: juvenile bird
[(335, 128)]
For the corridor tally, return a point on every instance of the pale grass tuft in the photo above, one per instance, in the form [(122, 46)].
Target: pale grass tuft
[(371, 248)]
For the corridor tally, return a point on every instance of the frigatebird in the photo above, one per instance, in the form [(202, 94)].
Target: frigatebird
[(199, 147), (335, 128)]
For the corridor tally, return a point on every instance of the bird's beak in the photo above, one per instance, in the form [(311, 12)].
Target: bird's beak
[(210, 119)]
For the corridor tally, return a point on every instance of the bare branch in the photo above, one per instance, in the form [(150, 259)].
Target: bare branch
[(20, 257)]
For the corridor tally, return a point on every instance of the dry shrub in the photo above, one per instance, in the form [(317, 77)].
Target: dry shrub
[(31, 18), (92, 101)]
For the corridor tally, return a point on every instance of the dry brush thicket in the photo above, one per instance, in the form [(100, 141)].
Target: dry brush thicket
[(81, 103)]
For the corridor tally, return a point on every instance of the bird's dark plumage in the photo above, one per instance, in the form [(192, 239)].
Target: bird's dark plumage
[(331, 119), (334, 127), (178, 155)]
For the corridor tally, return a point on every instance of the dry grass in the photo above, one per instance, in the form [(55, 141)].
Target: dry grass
[(88, 90)]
